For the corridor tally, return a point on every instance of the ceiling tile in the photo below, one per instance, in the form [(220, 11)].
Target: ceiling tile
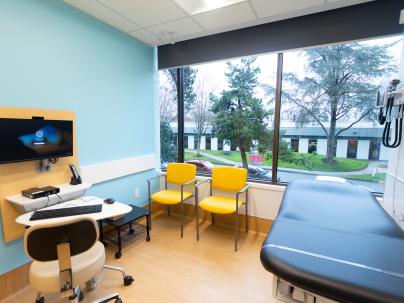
[(104, 14), (144, 36), (226, 16), (179, 28), (146, 12), (265, 8)]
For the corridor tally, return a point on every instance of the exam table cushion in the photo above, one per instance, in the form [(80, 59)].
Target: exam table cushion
[(337, 241)]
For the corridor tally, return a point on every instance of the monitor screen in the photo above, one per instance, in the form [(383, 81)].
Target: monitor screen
[(32, 139)]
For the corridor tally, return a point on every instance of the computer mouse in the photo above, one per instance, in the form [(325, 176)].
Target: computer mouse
[(109, 201)]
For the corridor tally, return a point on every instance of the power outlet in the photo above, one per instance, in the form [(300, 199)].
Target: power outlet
[(137, 193)]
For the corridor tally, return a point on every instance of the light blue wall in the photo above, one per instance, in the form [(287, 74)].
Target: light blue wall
[(54, 57)]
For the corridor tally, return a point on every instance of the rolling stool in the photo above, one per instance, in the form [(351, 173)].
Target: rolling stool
[(66, 256)]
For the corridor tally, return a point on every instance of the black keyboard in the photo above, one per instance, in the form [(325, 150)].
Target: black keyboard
[(65, 212)]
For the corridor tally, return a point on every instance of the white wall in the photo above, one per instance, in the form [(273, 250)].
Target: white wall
[(384, 153), (322, 147), (393, 200), (363, 149), (226, 145), (203, 142), (213, 144), (303, 145), (342, 148), (264, 199), (191, 142)]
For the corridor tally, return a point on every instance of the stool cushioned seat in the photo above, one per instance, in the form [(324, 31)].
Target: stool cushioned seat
[(44, 276), (170, 196)]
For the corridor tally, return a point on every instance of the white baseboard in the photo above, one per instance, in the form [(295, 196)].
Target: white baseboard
[(101, 172)]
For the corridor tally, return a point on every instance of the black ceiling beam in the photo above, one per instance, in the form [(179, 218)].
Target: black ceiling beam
[(372, 19)]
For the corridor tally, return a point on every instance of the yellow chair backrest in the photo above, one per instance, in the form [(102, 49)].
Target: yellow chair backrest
[(229, 178), (180, 173)]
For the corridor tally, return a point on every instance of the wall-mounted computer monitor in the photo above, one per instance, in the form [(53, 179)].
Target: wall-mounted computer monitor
[(34, 139)]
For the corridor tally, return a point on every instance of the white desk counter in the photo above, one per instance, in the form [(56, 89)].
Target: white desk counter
[(108, 211)]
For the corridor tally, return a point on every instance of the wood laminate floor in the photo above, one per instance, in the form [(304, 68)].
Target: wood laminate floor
[(170, 269)]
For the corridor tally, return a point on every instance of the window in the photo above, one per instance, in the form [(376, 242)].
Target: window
[(312, 146), (221, 103), (327, 100), (327, 123), (352, 149), (168, 118), (294, 145)]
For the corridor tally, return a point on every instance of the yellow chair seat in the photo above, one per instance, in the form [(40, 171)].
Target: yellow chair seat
[(220, 205), (170, 196)]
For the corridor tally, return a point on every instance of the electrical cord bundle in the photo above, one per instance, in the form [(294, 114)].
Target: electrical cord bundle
[(387, 117)]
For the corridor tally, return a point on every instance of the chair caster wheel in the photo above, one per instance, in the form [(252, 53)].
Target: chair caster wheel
[(40, 300), (131, 231), (118, 255), (147, 238), (119, 300), (127, 280)]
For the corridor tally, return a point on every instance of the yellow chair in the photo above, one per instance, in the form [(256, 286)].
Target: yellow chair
[(231, 179), (181, 174)]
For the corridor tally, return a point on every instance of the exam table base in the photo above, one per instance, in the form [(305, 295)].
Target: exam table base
[(285, 292)]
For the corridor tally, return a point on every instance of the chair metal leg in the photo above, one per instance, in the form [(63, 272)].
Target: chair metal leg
[(236, 231), (246, 211), (182, 219), (168, 210), (127, 279), (197, 222), (197, 213), (148, 188), (246, 216)]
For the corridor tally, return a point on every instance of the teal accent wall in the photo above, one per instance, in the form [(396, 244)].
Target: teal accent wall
[(55, 57)]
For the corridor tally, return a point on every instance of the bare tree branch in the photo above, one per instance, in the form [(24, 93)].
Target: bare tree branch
[(311, 114), (355, 122)]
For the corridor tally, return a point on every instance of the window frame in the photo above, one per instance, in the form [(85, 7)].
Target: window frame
[(276, 126)]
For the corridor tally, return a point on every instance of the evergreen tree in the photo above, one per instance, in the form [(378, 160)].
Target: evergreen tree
[(240, 117)]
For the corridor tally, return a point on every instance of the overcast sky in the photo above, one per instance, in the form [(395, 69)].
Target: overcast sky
[(213, 74)]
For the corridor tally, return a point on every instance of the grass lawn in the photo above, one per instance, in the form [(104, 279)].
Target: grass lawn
[(341, 164), (192, 156), (379, 178)]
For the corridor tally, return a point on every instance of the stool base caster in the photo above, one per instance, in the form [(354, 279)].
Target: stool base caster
[(127, 280)]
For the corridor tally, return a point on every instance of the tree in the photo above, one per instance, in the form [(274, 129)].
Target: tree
[(240, 117), (339, 87), (167, 146), (189, 79), (200, 112), (168, 104)]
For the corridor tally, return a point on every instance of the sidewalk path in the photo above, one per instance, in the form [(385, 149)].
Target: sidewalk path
[(369, 170)]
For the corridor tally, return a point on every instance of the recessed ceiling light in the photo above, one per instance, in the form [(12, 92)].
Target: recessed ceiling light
[(194, 7)]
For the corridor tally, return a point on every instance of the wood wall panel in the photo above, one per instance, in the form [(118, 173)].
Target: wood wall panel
[(15, 177), (14, 280)]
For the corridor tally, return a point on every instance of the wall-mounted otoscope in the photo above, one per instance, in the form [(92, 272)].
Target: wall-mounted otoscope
[(391, 114)]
